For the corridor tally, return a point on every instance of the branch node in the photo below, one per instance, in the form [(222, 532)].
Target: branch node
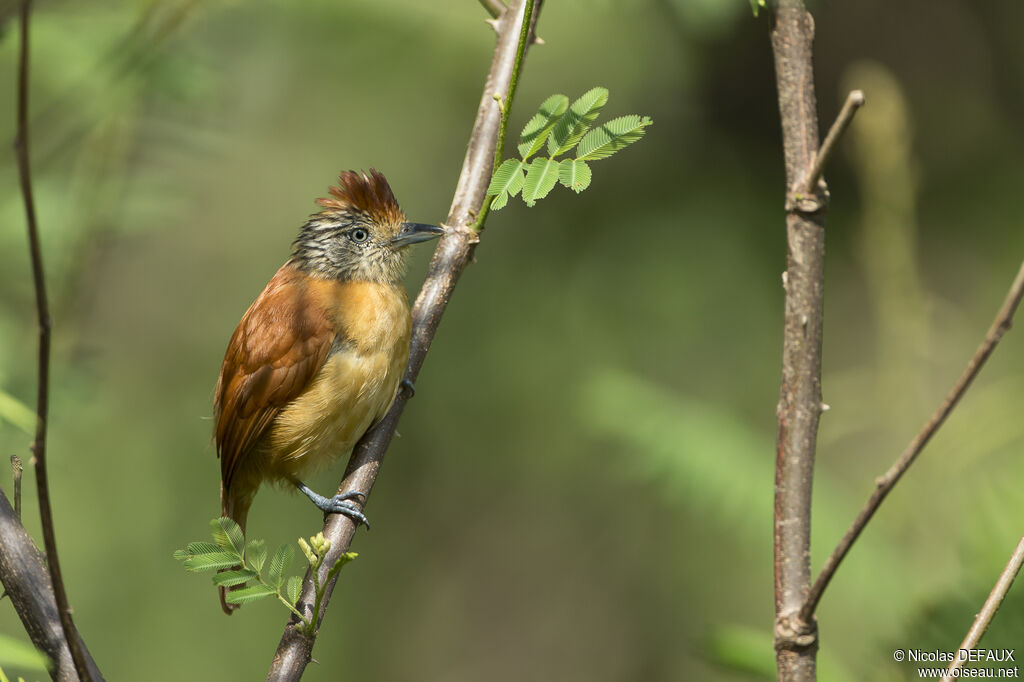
[(493, 23), (808, 203), (465, 231), (794, 634)]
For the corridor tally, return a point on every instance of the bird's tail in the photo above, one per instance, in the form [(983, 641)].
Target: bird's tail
[(237, 509)]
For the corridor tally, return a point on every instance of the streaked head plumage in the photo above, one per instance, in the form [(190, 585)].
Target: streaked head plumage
[(368, 194), (360, 234)]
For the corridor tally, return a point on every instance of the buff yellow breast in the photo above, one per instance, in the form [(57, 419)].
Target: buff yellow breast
[(354, 388)]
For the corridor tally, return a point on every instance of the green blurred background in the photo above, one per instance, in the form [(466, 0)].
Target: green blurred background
[(583, 486)]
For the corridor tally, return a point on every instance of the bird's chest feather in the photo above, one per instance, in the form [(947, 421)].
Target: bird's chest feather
[(356, 384)]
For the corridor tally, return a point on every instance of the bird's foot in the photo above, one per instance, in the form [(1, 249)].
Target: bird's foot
[(339, 504), (409, 387)]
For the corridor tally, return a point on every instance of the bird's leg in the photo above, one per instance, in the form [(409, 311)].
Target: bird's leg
[(408, 386), (339, 504)]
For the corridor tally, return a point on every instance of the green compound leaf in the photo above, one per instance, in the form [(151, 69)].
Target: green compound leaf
[(756, 5), (609, 138), (248, 594), (256, 554), (506, 182), (202, 548), (581, 115), (574, 174), (229, 578), (538, 127), (279, 563), (211, 562), (293, 590), (228, 535), (540, 178)]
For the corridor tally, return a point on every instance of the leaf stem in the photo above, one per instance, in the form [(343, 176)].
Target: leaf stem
[(506, 108)]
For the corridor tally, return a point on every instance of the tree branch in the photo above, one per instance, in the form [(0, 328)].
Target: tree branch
[(27, 582), (799, 409), (988, 611), (43, 313), (494, 7), (854, 101), (453, 254), (883, 485)]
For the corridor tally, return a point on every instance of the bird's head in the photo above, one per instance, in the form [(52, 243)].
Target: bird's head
[(361, 233)]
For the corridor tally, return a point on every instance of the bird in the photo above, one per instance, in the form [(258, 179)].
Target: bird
[(319, 356)]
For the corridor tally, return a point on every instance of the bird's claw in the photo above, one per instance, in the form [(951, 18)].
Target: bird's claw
[(408, 386), (339, 504)]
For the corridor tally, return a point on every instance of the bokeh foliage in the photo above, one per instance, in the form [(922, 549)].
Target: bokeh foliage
[(583, 486)]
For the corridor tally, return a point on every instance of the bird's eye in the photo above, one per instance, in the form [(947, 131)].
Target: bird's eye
[(359, 235)]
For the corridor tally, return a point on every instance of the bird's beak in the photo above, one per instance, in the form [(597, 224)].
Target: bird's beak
[(412, 233)]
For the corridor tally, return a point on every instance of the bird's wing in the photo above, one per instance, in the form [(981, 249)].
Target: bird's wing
[(281, 343)]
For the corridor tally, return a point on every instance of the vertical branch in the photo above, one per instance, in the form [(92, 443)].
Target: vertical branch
[(799, 408), (43, 313), (453, 254)]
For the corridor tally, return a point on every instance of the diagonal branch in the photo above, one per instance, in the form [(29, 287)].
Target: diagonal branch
[(854, 101), (453, 254), (43, 313), (28, 584), (1000, 326), (988, 611)]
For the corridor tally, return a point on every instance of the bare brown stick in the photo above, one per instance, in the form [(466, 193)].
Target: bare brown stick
[(453, 254), (1002, 323), (854, 101), (799, 409), (43, 312), (16, 469), (988, 611), (27, 582)]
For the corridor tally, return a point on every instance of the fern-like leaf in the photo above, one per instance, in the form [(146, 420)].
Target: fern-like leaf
[(228, 535), (256, 554), (211, 562), (574, 174), (577, 121), (202, 548), (506, 182), (538, 127), (293, 589), (279, 562), (248, 594), (229, 578), (609, 138), (540, 178)]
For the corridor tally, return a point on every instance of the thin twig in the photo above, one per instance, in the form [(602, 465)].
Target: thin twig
[(43, 310), (988, 611), (799, 409), (453, 254), (16, 469), (494, 7), (854, 101), (883, 485)]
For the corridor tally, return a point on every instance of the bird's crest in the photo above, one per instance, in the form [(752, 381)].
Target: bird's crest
[(369, 194)]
